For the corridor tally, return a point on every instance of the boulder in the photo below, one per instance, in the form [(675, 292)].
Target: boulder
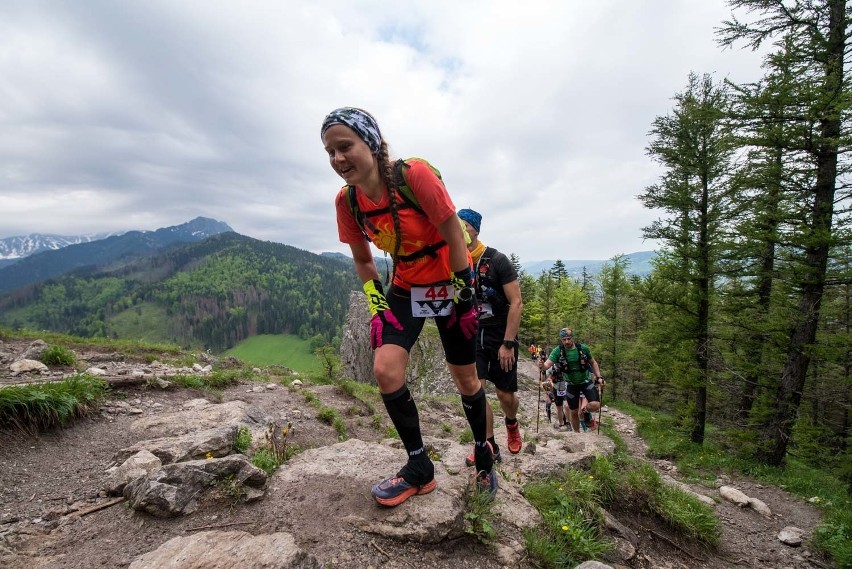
[(224, 550)]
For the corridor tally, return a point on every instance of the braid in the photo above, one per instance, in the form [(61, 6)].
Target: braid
[(386, 171)]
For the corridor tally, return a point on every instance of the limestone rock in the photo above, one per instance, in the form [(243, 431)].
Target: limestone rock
[(791, 535), (35, 351), (224, 550), (760, 507), (217, 442), (24, 365), (175, 489), (733, 495), (137, 466)]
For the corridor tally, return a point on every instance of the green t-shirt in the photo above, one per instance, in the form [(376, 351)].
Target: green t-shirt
[(571, 370)]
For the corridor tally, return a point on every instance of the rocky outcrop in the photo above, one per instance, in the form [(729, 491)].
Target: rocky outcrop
[(225, 550), (175, 489)]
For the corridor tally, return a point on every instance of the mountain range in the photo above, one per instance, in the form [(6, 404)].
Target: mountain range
[(13, 249), (80, 252), (195, 284), (638, 263)]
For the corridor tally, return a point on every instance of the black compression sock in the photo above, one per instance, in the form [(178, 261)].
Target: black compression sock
[(403, 413), (474, 410)]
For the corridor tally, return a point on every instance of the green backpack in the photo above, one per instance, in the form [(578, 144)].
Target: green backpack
[(408, 201), (405, 192)]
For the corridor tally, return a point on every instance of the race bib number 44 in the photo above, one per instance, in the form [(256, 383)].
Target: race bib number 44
[(430, 301)]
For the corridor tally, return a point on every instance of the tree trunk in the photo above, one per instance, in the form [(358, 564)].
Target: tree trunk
[(777, 430), (703, 323), (764, 295)]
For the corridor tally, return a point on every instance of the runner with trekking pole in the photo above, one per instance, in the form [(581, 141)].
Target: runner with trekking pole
[(576, 372), (600, 409)]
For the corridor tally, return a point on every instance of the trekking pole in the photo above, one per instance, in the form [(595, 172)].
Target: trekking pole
[(600, 410), (538, 408)]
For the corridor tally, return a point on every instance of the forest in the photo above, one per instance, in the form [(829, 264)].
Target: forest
[(211, 295), (742, 329)]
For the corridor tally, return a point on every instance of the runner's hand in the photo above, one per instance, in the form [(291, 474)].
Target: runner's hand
[(377, 326), (464, 310), (381, 312)]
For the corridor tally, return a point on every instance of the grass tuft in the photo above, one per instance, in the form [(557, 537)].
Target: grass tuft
[(48, 405)]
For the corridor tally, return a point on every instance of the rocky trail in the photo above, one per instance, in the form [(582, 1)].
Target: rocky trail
[(131, 486)]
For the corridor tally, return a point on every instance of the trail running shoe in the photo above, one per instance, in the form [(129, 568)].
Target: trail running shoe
[(487, 483), (394, 490), (514, 441), (470, 460)]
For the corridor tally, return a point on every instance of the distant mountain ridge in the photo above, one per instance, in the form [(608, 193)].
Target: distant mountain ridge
[(17, 247), (132, 244), (639, 263)]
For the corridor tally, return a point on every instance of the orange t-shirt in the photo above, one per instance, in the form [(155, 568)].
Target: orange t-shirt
[(417, 231)]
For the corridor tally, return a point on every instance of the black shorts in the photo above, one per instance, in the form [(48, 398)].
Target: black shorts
[(488, 342), (458, 350), (588, 389)]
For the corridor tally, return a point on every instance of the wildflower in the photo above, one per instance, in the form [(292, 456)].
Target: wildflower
[(564, 528), (591, 477), (209, 456)]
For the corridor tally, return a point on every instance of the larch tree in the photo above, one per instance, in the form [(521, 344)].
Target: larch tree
[(816, 34), (694, 146)]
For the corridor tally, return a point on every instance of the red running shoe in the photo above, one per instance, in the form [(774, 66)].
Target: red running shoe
[(470, 460), (514, 442)]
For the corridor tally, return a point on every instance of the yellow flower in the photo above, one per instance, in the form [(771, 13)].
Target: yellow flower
[(591, 477), (284, 432), (564, 528), (209, 456)]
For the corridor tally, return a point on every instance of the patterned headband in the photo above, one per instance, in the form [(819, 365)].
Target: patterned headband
[(362, 122)]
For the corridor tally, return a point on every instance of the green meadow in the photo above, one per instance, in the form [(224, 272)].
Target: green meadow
[(277, 349)]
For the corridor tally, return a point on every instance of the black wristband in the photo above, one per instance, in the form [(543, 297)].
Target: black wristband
[(465, 275)]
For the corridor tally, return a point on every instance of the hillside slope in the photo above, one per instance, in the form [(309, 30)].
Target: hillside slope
[(210, 294)]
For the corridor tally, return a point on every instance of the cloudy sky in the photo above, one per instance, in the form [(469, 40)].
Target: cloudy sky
[(144, 114)]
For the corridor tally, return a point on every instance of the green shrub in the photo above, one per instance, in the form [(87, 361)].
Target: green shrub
[(327, 415), (264, 459), (243, 439), (59, 356)]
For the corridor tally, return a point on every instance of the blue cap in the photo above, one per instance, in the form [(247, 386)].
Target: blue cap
[(472, 217)]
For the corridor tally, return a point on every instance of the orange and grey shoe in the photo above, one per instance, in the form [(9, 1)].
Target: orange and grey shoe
[(470, 460), (486, 483), (514, 442), (394, 490)]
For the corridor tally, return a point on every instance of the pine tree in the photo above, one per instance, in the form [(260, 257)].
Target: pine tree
[(694, 145), (816, 34)]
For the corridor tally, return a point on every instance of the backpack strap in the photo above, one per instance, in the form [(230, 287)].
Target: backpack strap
[(585, 355), (409, 200), (485, 257)]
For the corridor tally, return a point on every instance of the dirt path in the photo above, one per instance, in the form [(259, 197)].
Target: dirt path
[(50, 484)]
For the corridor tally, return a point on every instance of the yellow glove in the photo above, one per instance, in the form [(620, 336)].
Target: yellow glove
[(375, 297)]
